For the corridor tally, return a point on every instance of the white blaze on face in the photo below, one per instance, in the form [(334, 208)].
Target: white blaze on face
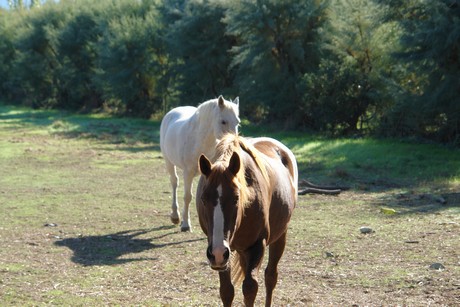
[(218, 229)]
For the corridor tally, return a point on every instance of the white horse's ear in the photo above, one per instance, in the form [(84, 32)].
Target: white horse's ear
[(204, 165), (220, 101), (234, 164), (237, 100)]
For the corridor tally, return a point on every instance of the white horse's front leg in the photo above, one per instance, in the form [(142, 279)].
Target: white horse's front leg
[(175, 216), (188, 180)]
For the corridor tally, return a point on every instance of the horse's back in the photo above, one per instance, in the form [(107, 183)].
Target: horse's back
[(173, 128), (274, 149), (175, 119), (282, 166)]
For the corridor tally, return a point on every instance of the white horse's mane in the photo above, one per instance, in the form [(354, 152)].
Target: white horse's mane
[(208, 108)]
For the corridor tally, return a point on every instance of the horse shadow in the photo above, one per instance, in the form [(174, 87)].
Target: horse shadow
[(110, 248)]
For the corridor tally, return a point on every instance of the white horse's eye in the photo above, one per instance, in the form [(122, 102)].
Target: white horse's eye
[(223, 122)]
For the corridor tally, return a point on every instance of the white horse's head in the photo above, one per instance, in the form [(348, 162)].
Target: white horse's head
[(228, 117), (220, 115)]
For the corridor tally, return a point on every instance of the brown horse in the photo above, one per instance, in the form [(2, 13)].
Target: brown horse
[(244, 203)]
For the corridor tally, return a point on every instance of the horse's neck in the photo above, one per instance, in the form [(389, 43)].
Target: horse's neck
[(205, 139), (208, 144)]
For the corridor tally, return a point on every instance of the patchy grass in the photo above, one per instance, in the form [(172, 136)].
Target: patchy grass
[(85, 204)]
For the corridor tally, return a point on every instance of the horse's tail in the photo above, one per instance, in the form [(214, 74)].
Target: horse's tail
[(237, 272)]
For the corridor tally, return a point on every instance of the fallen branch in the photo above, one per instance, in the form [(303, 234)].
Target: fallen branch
[(306, 187)]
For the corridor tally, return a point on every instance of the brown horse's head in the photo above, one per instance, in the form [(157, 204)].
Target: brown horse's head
[(220, 199)]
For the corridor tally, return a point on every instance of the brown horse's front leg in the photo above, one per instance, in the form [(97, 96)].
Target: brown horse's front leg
[(227, 291), (253, 258)]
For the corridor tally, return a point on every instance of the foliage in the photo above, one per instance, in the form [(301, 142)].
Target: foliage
[(275, 47), (431, 44), (21, 4), (129, 53), (7, 54), (338, 66), (37, 61), (78, 56), (198, 43), (349, 88)]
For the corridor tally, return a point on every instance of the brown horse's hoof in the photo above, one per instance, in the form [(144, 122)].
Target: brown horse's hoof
[(175, 220)]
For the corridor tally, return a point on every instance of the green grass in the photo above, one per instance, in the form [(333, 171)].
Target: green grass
[(399, 163), (365, 164), (370, 161)]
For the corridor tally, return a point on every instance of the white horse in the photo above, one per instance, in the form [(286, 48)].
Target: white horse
[(186, 133)]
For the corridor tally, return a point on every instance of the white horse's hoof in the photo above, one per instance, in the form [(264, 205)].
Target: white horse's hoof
[(185, 229)]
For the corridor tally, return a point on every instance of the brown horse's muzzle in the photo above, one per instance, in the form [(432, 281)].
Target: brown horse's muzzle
[(218, 257)]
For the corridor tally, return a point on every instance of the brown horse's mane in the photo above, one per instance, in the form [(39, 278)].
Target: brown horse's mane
[(234, 143)]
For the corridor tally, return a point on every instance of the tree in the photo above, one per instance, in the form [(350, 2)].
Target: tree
[(199, 48), (36, 59), (276, 46), (129, 67), (20, 4), (349, 90), (7, 54), (16, 4), (430, 105), (77, 52)]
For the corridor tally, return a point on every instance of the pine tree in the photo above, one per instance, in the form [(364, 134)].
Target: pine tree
[(7, 54), (36, 58), (77, 50), (129, 64), (20, 4), (431, 42), (198, 48), (348, 91), (276, 46)]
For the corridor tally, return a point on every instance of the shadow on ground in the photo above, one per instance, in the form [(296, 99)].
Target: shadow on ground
[(109, 249), (416, 203), (111, 130)]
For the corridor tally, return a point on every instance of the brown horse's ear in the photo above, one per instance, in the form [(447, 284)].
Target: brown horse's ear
[(220, 101), (204, 165), (234, 164)]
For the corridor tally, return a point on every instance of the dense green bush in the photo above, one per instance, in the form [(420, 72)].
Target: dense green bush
[(199, 50), (129, 65), (337, 66), (77, 50), (430, 103), (7, 55), (36, 62), (277, 43), (347, 93)]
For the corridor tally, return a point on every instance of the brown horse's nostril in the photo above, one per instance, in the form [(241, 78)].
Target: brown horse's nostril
[(209, 253), (227, 254)]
